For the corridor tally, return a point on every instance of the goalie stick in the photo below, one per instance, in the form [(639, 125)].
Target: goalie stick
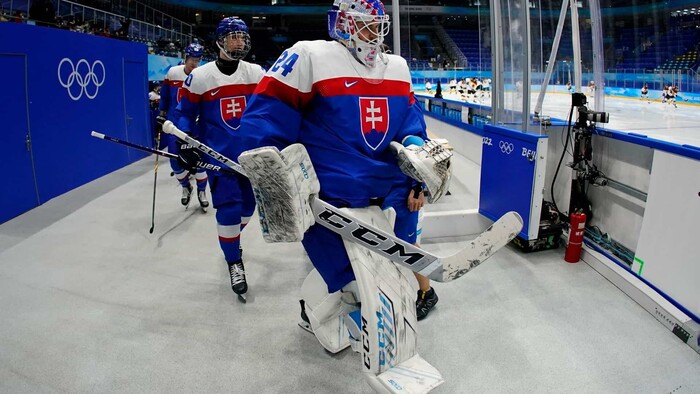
[(440, 269), (200, 164)]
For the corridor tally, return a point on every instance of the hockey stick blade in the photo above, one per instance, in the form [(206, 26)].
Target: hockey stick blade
[(480, 249), (388, 245)]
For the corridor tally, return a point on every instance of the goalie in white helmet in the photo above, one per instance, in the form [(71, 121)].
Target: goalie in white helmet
[(321, 122), (361, 26)]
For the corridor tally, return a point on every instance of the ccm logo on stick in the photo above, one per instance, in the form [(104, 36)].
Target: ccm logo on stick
[(370, 237)]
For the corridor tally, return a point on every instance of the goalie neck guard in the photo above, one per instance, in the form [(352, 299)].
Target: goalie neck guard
[(361, 26)]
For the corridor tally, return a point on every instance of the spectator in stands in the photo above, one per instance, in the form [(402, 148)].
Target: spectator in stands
[(43, 12), (19, 17), (123, 31)]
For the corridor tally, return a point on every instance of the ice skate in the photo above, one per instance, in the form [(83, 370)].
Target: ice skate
[(304, 323), (186, 195), (425, 302), (203, 202), (238, 281)]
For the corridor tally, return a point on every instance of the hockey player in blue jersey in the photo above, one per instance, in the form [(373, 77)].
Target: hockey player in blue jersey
[(215, 95), (322, 121), (171, 92)]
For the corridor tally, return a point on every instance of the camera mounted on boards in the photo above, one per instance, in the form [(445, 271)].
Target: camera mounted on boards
[(585, 115)]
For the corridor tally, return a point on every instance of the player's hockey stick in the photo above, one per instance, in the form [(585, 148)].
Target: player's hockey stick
[(200, 164), (132, 145), (155, 182), (388, 245)]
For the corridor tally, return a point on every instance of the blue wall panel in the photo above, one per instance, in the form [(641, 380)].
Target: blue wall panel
[(76, 84), (507, 175), (18, 193)]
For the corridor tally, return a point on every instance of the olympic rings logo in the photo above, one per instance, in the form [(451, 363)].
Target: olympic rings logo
[(83, 75), (506, 147)]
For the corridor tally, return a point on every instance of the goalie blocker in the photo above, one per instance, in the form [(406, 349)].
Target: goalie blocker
[(283, 184)]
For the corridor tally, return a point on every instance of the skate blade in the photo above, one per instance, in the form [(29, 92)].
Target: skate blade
[(243, 298), (306, 326), (203, 209)]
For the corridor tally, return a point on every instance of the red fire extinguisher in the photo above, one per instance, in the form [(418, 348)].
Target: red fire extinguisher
[(578, 226)]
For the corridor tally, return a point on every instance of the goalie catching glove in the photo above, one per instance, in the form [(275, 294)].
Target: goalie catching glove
[(427, 162), (283, 184)]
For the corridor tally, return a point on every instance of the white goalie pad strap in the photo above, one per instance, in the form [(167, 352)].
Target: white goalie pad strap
[(388, 311), (283, 183), (326, 313), (429, 164)]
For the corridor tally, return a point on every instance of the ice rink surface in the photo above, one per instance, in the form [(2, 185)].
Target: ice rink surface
[(91, 302), (652, 118)]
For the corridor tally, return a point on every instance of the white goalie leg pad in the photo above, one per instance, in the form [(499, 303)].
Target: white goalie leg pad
[(283, 183), (429, 163), (387, 323), (388, 312), (326, 312)]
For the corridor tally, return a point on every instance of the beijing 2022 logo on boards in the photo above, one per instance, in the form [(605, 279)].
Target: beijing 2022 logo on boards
[(81, 78)]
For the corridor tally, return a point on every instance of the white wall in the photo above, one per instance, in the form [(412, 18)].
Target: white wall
[(614, 212)]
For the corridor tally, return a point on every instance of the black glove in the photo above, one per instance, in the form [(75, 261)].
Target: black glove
[(188, 157), (159, 123)]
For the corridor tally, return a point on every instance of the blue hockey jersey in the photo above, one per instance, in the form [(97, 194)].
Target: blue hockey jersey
[(171, 91), (216, 101), (345, 114)]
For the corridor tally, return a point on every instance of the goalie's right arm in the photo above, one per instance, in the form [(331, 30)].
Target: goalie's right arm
[(283, 184)]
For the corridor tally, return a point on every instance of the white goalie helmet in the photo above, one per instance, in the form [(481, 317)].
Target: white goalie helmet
[(361, 25)]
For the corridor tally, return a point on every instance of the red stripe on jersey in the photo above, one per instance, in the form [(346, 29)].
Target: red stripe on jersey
[(359, 87), (225, 239), (411, 99), (269, 86), (174, 84), (228, 91), (191, 97)]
